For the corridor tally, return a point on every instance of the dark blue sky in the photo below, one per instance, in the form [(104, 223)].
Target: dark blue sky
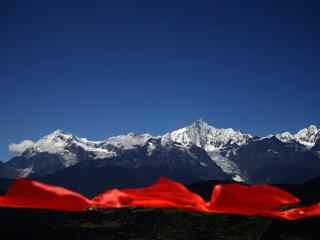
[(99, 68)]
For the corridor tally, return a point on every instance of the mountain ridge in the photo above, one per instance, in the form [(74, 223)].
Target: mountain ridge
[(195, 147)]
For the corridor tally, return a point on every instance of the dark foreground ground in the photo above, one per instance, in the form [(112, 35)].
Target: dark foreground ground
[(155, 224)]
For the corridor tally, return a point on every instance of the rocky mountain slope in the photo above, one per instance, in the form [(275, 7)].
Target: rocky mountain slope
[(7, 171)]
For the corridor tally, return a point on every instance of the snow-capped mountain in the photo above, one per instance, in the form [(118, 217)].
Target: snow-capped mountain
[(306, 136), (284, 137), (269, 160), (70, 150), (139, 166), (216, 142), (207, 137), (59, 142), (60, 150), (67, 150), (197, 149)]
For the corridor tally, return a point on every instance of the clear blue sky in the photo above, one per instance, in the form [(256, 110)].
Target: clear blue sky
[(100, 68)]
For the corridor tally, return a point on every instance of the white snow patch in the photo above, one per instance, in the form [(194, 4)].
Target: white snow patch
[(19, 148), (203, 164), (128, 141), (285, 137), (25, 172), (224, 163), (272, 151), (151, 148), (238, 178), (306, 136)]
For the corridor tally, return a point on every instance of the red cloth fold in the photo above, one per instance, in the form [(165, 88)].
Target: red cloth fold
[(25, 193), (249, 200), (298, 213), (263, 200), (112, 199), (163, 194)]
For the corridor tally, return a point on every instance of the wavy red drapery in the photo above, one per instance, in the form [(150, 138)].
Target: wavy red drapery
[(263, 200)]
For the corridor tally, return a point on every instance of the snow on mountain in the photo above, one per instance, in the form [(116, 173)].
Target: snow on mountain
[(70, 148), (59, 142), (19, 148), (285, 137), (54, 143), (213, 141), (316, 147), (269, 160), (199, 134), (306, 136), (59, 149), (207, 137), (227, 166), (128, 141)]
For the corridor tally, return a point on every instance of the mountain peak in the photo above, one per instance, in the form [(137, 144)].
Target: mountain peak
[(57, 133), (201, 134), (284, 137), (306, 136), (312, 128), (200, 123)]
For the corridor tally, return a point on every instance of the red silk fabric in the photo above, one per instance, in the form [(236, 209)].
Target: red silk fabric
[(263, 200), (249, 200), (163, 194), (25, 193)]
